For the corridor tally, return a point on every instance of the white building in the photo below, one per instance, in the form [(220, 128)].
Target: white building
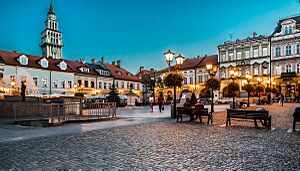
[(285, 55), (251, 55)]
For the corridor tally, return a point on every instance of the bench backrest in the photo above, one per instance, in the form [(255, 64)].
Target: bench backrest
[(248, 113)]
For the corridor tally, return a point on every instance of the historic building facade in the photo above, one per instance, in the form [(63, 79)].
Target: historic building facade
[(51, 42), (248, 56), (286, 56)]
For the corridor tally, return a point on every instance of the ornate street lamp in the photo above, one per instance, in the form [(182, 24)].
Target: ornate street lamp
[(169, 57), (259, 81), (75, 87), (233, 74), (179, 61), (212, 71), (248, 77)]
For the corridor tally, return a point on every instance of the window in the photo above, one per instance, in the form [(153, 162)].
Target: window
[(238, 55), (55, 83), (255, 53), (128, 85), (223, 74), (277, 70), (298, 68), (86, 83), (298, 49), (79, 82), (119, 73), (45, 82), (200, 79), (185, 81), (223, 56), (92, 84), (63, 65), (288, 50), (70, 84), (230, 56), (286, 30), (104, 85), (138, 86), (205, 77), (290, 30), (100, 85), (123, 84), (62, 83), (85, 70), (247, 54), (265, 71), (191, 80), (109, 85), (255, 71), (264, 51), (277, 52), (23, 60), (288, 68), (44, 63), (35, 80)]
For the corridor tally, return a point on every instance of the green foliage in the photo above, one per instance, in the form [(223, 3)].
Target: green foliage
[(248, 88), (113, 96), (274, 90), (173, 79), (268, 89), (213, 83), (159, 82), (205, 93), (233, 87), (259, 88)]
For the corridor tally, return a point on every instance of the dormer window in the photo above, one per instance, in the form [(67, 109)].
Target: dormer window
[(129, 74), (84, 70), (119, 73), (44, 63), (23, 60), (63, 65)]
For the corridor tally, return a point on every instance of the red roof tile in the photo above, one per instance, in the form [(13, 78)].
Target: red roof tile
[(125, 75), (11, 58)]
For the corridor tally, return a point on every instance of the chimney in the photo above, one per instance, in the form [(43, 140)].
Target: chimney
[(102, 60), (254, 34), (119, 63), (152, 69), (141, 68), (94, 61), (15, 51), (113, 63), (82, 61)]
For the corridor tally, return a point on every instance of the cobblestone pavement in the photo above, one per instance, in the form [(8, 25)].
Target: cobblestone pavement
[(164, 146)]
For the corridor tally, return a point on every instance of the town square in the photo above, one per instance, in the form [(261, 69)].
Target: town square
[(150, 85)]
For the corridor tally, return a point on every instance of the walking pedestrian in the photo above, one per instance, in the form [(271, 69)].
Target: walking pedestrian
[(151, 101), (160, 101), (282, 99)]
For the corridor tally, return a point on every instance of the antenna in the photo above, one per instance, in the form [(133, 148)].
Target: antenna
[(230, 35)]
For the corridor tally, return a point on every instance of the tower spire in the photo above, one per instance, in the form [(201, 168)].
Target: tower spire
[(51, 9)]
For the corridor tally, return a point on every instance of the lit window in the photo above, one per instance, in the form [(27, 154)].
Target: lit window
[(255, 53), (35, 80), (288, 50), (288, 68), (255, 71), (191, 80), (223, 74), (265, 71), (277, 51), (277, 70)]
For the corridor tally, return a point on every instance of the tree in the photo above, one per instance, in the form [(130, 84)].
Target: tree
[(259, 88), (146, 81), (249, 89), (113, 96), (174, 80), (205, 93), (232, 88), (213, 84), (269, 90), (159, 82)]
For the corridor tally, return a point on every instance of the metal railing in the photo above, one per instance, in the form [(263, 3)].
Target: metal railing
[(105, 109)]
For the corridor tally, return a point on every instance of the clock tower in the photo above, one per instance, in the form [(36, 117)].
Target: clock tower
[(51, 38)]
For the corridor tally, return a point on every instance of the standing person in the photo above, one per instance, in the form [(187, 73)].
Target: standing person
[(151, 101), (160, 101), (282, 99)]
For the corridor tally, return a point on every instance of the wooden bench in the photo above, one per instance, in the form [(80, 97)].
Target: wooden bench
[(194, 112), (261, 115)]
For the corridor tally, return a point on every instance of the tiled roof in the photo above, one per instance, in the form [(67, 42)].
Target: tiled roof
[(124, 75), (99, 66), (213, 59), (11, 58), (191, 63)]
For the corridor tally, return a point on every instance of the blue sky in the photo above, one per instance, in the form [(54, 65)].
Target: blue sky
[(138, 32)]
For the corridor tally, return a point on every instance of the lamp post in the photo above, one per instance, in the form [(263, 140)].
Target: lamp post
[(179, 60), (212, 70), (259, 81), (12, 84), (248, 77), (233, 73)]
